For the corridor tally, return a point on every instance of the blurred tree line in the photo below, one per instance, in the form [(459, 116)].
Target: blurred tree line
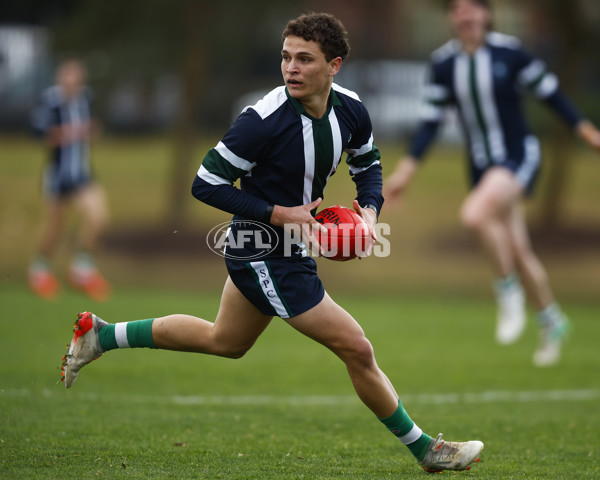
[(218, 51)]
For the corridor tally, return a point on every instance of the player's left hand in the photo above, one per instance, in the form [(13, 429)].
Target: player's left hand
[(370, 217), (589, 133)]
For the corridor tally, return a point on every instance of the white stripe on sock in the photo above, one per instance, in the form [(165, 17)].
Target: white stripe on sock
[(121, 335), (412, 436)]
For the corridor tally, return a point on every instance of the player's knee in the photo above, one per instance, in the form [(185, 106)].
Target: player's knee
[(471, 218), (360, 352), (232, 351), (234, 354), (98, 219)]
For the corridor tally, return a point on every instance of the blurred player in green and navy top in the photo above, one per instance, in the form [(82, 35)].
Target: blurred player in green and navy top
[(284, 149), (64, 121), (484, 74)]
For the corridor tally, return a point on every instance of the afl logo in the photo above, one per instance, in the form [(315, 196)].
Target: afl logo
[(242, 239)]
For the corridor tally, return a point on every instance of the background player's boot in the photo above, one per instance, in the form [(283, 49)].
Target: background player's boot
[(84, 347), (554, 328), (84, 276), (443, 455), (43, 283), (511, 311), (41, 280)]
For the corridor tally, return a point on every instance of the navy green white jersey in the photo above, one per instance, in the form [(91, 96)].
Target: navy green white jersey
[(487, 89), (283, 156), (69, 165)]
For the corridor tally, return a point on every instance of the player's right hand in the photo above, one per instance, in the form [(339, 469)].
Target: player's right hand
[(300, 217)]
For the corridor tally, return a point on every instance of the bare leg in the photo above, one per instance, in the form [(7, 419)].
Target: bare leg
[(330, 325), (486, 212), (236, 328), (530, 268), (92, 204), (52, 226)]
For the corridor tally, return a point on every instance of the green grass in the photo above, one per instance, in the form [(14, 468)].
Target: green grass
[(287, 409)]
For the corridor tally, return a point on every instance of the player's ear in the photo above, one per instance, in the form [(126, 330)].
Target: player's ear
[(335, 65)]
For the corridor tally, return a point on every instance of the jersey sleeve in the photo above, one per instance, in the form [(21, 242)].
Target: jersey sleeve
[(535, 76), (233, 157), (364, 161), (44, 115), (435, 99)]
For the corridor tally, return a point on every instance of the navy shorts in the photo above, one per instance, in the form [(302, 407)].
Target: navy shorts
[(64, 178), (525, 165), (283, 287)]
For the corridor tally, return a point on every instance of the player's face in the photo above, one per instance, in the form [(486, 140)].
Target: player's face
[(469, 20), (71, 77), (306, 72)]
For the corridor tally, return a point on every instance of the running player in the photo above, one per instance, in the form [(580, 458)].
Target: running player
[(63, 120), (283, 150), (484, 73)]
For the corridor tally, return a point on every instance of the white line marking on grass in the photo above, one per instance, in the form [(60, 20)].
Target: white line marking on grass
[(539, 396)]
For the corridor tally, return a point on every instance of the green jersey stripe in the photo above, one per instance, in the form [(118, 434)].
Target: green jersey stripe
[(477, 105), (232, 158), (323, 140), (215, 164)]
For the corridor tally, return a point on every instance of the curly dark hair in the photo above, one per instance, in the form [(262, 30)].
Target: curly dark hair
[(323, 28), (482, 3)]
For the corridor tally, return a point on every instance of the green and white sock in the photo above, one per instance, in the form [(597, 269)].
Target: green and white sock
[(407, 431), (40, 263), (552, 318), (510, 282), (137, 334)]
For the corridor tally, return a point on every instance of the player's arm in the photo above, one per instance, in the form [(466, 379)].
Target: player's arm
[(588, 132), (544, 84), (214, 185), (436, 97), (45, 121), (233, 157), (364, 162)]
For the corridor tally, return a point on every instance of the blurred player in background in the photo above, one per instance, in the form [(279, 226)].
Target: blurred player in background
[(64, 122), (284, 150), (484, 74)]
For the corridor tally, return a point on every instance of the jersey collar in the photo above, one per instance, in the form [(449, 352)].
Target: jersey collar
[(333, 100)]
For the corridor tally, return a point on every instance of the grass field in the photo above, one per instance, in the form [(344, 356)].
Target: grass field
[(287, 409)]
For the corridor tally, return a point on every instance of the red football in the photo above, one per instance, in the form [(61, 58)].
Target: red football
[(347, 233)]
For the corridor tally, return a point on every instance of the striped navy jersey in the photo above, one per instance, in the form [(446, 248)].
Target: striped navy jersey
[(283, 156), (487, 89), (69, 163)]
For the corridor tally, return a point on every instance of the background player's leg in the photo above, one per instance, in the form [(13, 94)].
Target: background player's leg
[(236, 328), (92, 204), (486, 212), (530, 268), (54, 214), (40, 277), (553, 324)]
